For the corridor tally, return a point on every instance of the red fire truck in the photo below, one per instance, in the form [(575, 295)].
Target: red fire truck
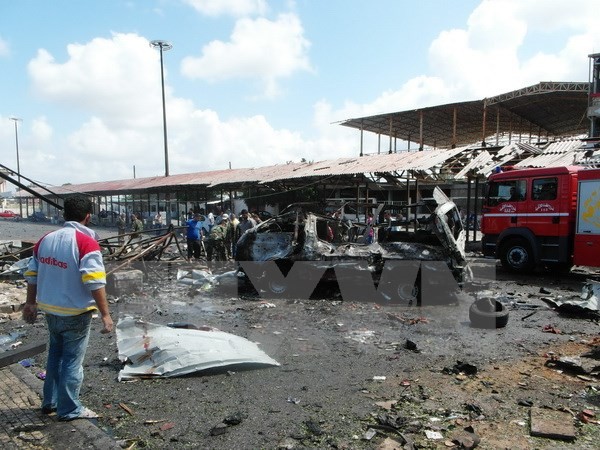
[(548, 217)]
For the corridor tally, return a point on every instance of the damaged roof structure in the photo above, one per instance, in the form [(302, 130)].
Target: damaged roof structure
[(456, 142), (546, 110)]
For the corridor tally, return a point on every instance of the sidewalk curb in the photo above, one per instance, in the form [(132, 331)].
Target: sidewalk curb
[(75, 434)]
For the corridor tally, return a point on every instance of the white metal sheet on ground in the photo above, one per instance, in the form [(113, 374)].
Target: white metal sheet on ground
[(153, 350), (589, 298)]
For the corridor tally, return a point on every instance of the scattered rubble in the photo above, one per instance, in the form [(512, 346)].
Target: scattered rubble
[(325, 394), (552, 424), (587, 304)]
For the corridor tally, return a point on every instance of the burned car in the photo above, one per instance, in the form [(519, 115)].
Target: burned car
[(290, 254)]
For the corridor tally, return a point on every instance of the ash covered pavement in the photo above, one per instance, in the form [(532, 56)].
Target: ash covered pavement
[(351, 374)]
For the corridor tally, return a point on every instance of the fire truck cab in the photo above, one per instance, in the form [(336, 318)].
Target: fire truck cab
[(529, 215), (547, 216)]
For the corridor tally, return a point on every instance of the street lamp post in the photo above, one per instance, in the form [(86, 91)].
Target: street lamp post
[(163, 46), (16, 120)]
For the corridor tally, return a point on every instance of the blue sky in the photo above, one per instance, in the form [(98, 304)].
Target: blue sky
[(256, 82)]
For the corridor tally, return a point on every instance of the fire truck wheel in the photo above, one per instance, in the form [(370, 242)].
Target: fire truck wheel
[(516, 256), (488, 313)]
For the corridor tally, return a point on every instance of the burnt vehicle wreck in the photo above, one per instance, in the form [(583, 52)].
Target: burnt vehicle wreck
[(420, 259)]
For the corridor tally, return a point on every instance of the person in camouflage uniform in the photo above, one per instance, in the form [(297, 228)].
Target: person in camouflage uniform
[(121, 225), (137, 226), (229, 236), (216, 241)]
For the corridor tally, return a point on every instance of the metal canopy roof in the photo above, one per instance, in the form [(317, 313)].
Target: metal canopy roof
[(547, 108), (236, 178)]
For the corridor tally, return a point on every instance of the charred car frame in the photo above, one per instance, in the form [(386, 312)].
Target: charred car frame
[(289, 254)]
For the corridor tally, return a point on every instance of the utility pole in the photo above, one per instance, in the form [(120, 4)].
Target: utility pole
[(163, 46), (16, 120)]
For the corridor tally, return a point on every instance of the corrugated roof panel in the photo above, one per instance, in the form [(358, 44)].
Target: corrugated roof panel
[(417, 160), (479, 161), (255, 174), (555, 107), (562, 153), (414, 160)]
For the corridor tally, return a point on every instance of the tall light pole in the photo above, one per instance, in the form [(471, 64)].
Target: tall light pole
[(163, 46), (16, 120)]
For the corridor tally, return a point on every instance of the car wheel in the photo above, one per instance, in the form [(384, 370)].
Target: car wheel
[(488, 313), (516, 256)]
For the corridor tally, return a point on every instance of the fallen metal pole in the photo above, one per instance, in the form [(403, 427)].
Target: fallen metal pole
[(128, 261), (28, 189)]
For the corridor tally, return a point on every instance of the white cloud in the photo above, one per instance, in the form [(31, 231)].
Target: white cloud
[(577, 15), (485, 58), (261, 49), (111, 88), (235, 8), (117, 78), (114, 87), (201, 140), (41, 131)]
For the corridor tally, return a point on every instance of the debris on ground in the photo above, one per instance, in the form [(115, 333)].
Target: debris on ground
[(585, 305), (9, 341), (551, 329), (16, 268), (12, 299), (576, 365), (330, 350), (588, 416), (552, 424), (461, 367), (125, 282), (14, 256), (128, 248), (408, 320), (466, 439), (153, 350), (433, 435), (488, 312), (205, 279)]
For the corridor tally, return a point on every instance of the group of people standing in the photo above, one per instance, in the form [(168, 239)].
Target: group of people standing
[(137, 226), (216, 235)]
